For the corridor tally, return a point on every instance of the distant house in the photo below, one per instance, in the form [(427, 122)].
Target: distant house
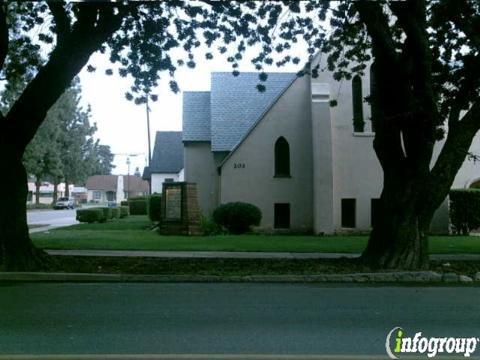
[(80, 194), (167, 160), (46, 192), (105, 188)]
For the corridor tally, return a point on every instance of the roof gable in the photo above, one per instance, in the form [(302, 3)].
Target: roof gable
[(167, 153), (236, 104)]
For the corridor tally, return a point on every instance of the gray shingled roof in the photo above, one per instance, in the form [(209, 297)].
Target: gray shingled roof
[(226, 113), (236, 104), (196, 116), (167, 153), (146, 173)]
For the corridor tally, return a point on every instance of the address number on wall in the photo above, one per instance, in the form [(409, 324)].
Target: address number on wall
[(239, 165)]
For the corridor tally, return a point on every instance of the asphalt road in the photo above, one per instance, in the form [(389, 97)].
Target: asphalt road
[(54, 218), (52, 318)]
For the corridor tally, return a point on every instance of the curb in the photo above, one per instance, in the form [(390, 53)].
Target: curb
[(234, 254), (421, 277)]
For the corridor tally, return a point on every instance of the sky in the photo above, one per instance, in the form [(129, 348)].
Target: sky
[(123, 125)]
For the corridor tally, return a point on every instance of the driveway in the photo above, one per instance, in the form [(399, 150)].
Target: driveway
[(50, 218)]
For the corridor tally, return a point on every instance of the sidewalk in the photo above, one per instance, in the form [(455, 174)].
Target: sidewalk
[(236, 255)]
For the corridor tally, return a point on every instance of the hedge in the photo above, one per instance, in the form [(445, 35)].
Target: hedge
[(138, 206), (107, 213), (115, 213), (465, 210), (124, 203), (124, 211), (91, 215), (154, 207), (237, 217)]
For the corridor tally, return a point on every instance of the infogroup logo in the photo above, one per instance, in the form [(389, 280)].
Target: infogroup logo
[(397, 343)]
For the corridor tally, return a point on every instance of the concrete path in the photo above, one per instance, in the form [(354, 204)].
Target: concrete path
[(257, 319), (236, 255)]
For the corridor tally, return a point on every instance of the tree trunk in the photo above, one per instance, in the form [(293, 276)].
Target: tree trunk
[(67, 190), (37, 191), (16, 249), (399, 236), (401, 242), (55, 192)]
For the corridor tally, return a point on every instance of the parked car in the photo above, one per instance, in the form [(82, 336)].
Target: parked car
[(65, 203)]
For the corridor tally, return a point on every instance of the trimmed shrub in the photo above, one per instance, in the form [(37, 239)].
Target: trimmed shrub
[(465, 210), (107, 213), (91, 215), (124, 203), (138, 206), (124, 211), (154, 207), (115, 213), (237, 217), (210, 227)]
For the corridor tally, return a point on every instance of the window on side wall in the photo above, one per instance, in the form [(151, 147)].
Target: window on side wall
[(282, 158), (282, 216), (348, 213), (357, 102), (169, 180)]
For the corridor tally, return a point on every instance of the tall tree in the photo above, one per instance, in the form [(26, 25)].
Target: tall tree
[(76, 136), (138, 37), (101, 160), (41, 156)]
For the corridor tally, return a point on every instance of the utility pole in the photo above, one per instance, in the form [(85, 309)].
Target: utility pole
[(128, 177), (149, 145), (148, 131)]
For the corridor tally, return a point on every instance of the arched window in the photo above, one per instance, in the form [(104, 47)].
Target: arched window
[(373, 95), (357, 101), (282, 158)]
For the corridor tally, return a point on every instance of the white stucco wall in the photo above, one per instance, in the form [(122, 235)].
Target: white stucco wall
[(255, 182), (159, 179), (356, 171), (200, 168)]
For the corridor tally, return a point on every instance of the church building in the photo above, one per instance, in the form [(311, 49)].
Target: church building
[(308, 166)]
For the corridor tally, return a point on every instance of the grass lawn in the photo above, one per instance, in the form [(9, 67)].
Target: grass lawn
[(133, 233)]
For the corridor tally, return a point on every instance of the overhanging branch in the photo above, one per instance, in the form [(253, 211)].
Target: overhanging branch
[(66, 60), (452, 155), (376, 21), (61, 19), (3, 33)]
